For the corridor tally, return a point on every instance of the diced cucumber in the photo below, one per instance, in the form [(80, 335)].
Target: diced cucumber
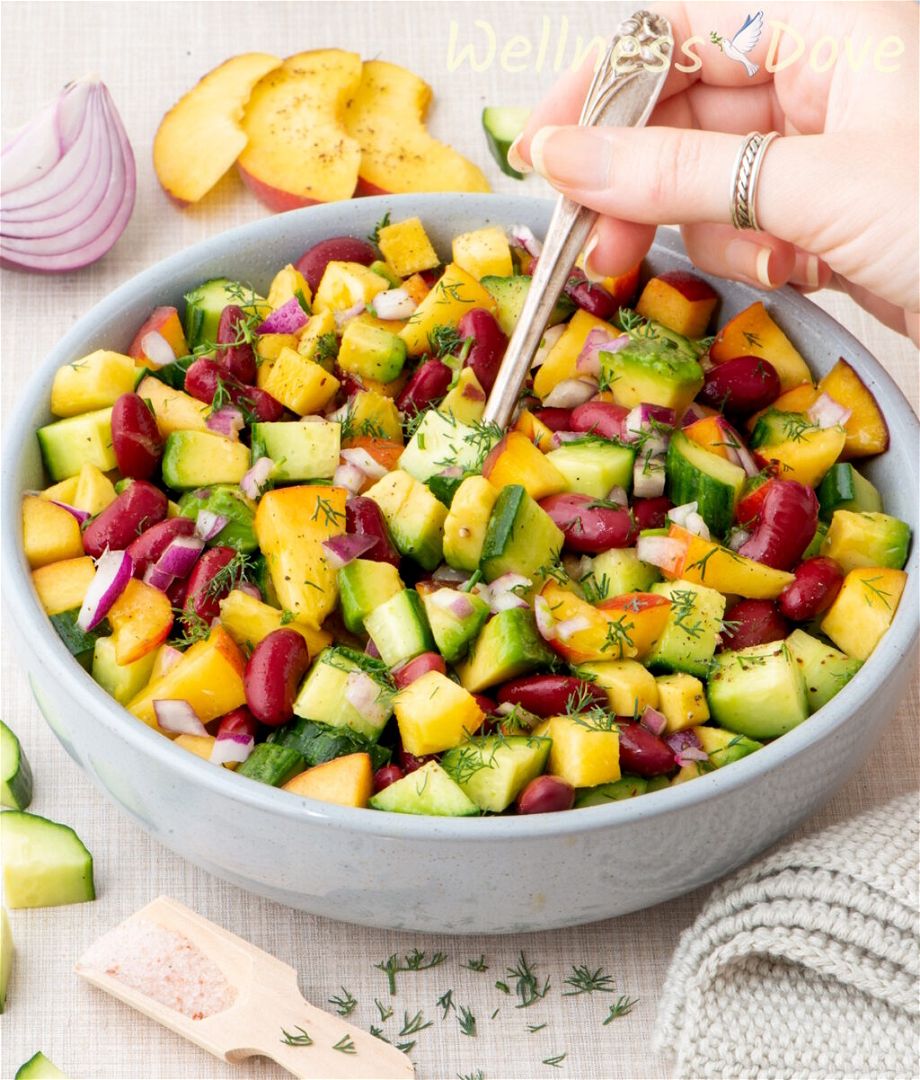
[(502, 125), (758, 691), (492, 770), (825, 669), (428, 790), (317, 743), (399, 628), (371, 352), (363, 586), (620, 570), (593, 466), (509, 294), (272, 764), (6, 957), (227, 501), (857, 540), (44, 863), (195, 459), (80, 643), (445, 487), (38, 1067), (414, 517), (520, 537), (203, 307), (814, 548), (776, 426), (15, 772), (843, 488), (441, 441), (300, 451), (323, 694), (697, 475), (627, 787), (509, 645), (724, 747), (122, 681), (691, 633), (452, 632), (654, 369), (86, 439)]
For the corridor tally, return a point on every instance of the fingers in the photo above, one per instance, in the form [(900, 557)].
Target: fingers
[(561, 106), (753, 257), (615, 247)]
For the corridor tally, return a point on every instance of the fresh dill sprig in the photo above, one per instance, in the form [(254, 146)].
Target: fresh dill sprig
[(381, 224), (527, 985), (621, 1007), (478, 1075), (230, 576), (477, 964), (377, 1032), (556, 1061), (331, 516), (532, 1028), (585, 981), (596, 719), (873, 590), (467, 1021), (446, 1002), (345, 1045), (617, 636), (303, 1039), (445, 339), (327, 347), (345, 1004), (405, 1047), (414, 961), (414, 1024), (195, 628), (683, 603), (385, 1011)]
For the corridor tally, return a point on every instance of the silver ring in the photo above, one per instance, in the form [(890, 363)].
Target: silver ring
[(745, 175)]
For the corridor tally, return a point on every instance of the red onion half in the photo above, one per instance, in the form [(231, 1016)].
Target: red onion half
[(68, 183)]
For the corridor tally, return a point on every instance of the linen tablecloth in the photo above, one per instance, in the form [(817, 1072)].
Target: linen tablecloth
[(149, 54)]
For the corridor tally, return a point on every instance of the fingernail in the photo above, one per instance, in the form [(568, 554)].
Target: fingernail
[(813, 271), (514, 157), (750, 260), (577, 158), (591, 274)]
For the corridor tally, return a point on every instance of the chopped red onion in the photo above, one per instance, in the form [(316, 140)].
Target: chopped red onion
[(549, 339), (287, 319), (114, 569), (340, 550), (679, 514), (371, 649), (250, 589), (157, 578), (257, 477), (665, 552), (180, 555), (208, 524), (686, 746), (177, 716), (560, 438), (80, 515), (828, 413), (231, 746), (568, 628), (227, 421), (364, 461), (523, 237), (394, 304), (649, 475), (737, 538), (597, 341), (157, 349), (571, 392), (349, 477), (653, 720), (692, 413), (503, 593), (342, 317), (543, 615), (618, 495), (364, 695), (457, 603), (168, 657)]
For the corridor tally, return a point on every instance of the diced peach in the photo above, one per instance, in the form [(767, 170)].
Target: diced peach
[(680, 301), (562, 361), (347, 780), (141, 619), (805, 459), (798, 400), (623, 287), (49, 532), (535, 430), (753, 332), (166, 322), (515, 460), (61, 586), (867, 432), (705, 562)]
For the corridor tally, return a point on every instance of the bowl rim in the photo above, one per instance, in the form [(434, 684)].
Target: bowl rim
[(34, 627)]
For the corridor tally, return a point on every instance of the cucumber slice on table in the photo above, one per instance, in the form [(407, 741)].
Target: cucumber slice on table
[(38, 1067), (6, 956), (502, 125), (44, 863), (15, 772)]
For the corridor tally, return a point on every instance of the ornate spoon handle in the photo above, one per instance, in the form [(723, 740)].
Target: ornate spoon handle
[(623, 93)]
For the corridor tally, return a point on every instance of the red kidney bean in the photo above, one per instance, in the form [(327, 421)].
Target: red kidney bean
[(152, 542), (386, 775), (600, 418), (431, 276), (588, 527), (238, 722), (590, 297), (201, 596), (312, 264), (555, 419), (643, 753), (741, 386), (201, 381), (787, 523), (489, 344), (410, 762), (546, 795), (363, 517), (138, 507), (415, 669), (429, 382), (817, 582), (273, 675), (485, 703), (551, 695), (238, 357), (135, 437), (759, 622), (351, 384), (651, 513)]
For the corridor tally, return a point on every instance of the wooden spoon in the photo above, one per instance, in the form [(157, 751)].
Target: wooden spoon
[(268, 1003)]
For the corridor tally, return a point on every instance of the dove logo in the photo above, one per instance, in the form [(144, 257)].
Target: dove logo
[(742, 43)]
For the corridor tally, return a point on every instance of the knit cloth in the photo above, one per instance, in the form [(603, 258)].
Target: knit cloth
[(805, 964)]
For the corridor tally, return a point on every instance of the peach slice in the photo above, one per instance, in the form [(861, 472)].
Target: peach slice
[(299, 152), (200, 137), (867, 432), (387, 117), (680, 301), (753, 332)]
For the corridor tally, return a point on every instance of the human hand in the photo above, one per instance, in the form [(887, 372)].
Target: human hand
[(837, 199)]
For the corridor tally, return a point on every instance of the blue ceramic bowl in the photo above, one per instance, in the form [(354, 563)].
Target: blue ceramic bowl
[(502, 874)]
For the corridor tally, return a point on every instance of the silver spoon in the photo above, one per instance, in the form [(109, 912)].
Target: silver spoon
[(623, 93)]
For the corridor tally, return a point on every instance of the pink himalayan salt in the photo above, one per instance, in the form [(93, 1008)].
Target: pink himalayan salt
[(164, 965)]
